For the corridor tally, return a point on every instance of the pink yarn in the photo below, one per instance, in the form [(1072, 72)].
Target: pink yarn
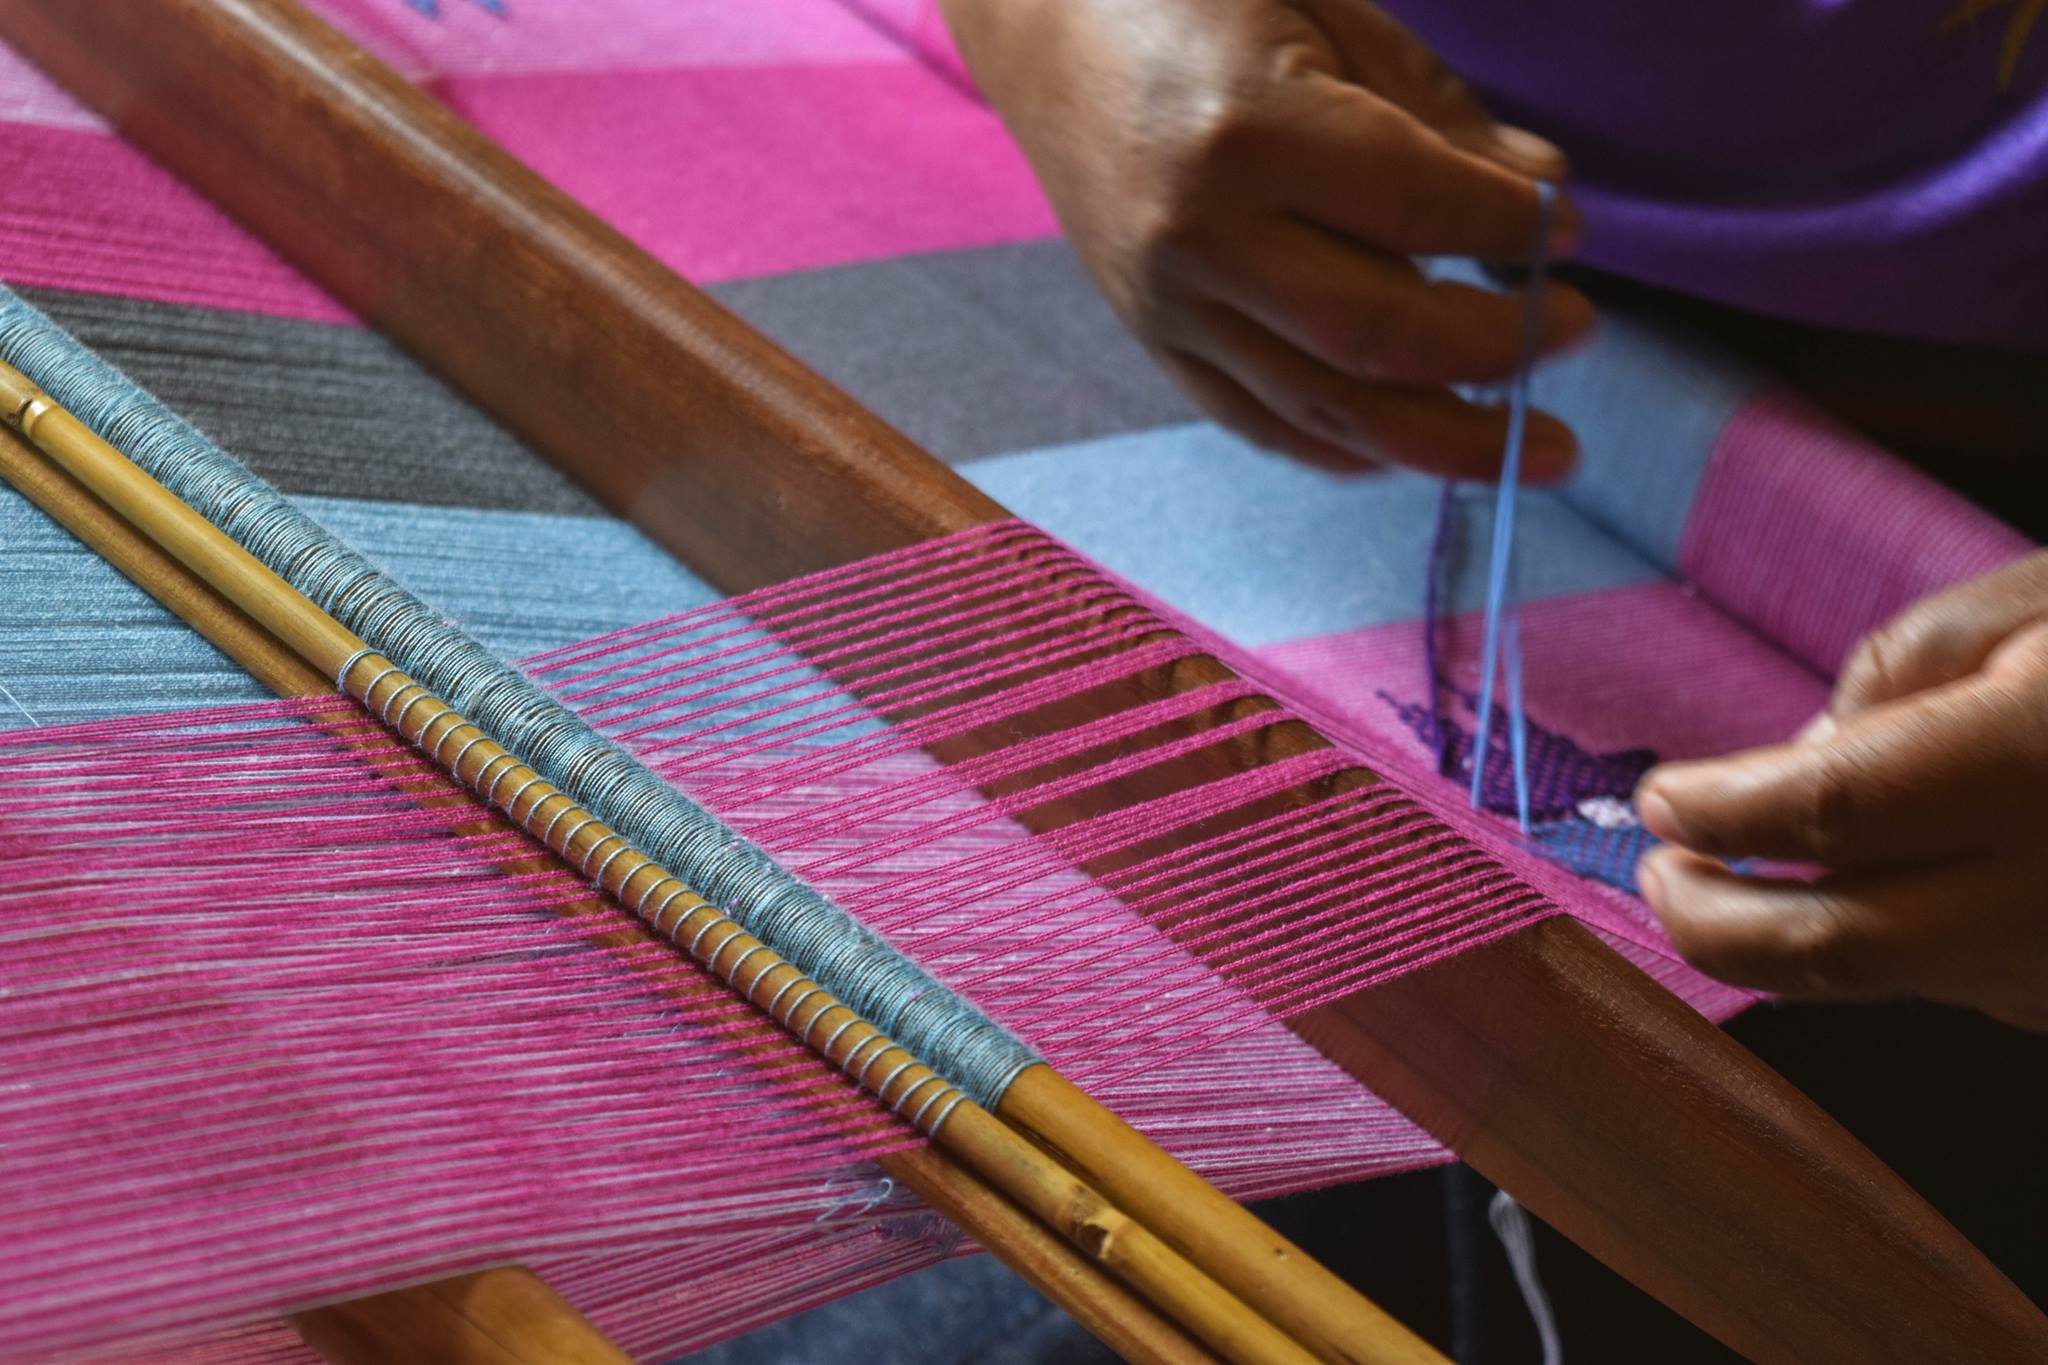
[(276, 1033), (1793, 500)]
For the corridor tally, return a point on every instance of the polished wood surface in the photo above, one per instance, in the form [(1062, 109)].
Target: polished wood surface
[(1602, 1103), (503, 1316)]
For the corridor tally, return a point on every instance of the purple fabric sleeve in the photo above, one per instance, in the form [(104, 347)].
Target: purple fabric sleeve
[(1852, 163)]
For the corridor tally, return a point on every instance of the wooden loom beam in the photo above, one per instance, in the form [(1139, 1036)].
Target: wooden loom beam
[(1606, 1106)]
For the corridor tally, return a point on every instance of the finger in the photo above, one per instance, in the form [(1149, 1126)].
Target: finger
[(1231, 405), (1379, 53), (1369, 170), (1427, 429), (1967, 933), (1517, 149), (1375, 316), (1942, 638), (1941, 772), (1847, 939)]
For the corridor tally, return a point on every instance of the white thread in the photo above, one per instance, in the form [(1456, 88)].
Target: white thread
[(18, 706), (936, 1095), (1518, 1240), (904, 1098)]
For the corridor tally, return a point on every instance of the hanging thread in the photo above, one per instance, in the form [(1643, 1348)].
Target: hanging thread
[(1501, 647), (1511, 1224), (15, 702)]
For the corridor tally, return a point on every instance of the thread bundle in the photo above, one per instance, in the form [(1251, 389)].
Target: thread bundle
[(288, 1034), (666, 825), (1083, 875)]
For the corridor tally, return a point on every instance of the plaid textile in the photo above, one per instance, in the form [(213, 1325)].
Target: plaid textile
[(823, 166)]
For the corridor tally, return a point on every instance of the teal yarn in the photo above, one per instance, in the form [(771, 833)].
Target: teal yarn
[(769, 901)]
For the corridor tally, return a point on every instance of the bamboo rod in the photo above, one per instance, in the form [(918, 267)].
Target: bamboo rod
[(360, 1332), (1296, 1291), (1026, 1174)]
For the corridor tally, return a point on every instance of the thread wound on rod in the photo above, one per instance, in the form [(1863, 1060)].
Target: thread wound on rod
[(438, 712)]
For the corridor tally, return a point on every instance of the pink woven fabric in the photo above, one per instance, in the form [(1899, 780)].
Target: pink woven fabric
[(465, 39), (311, 1040), (919, 26), (89, 212), (726, 142), (699, 166), (1654, 666), (1800, 527)]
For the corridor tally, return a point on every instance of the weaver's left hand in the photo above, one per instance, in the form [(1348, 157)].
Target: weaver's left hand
[(1923, 798)]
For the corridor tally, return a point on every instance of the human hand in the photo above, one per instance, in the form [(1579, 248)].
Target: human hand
[(1247, 181), (1922, 795)]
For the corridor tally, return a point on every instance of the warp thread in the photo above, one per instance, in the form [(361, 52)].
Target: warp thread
[(432, 8), (774, 905)]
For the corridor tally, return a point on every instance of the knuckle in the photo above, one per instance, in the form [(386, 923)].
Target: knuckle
[(1827, 821), (1358, 342), (1340, 414), (1872, 667), (1329, 419), (1165, 246), (1821, 951), (1216, 138)]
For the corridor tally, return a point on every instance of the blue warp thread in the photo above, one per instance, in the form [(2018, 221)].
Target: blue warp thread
[(432, 8), (772, 903), (1502, 643)]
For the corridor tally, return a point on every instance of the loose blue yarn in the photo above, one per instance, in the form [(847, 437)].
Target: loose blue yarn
[(1503, 631), (730, 871)]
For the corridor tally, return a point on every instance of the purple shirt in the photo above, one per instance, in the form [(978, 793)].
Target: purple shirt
[(1844, 162)]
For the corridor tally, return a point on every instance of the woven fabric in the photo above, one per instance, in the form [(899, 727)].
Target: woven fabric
[(1684, 595)]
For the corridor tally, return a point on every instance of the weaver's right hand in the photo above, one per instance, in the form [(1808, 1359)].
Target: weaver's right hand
[(1248, 181)]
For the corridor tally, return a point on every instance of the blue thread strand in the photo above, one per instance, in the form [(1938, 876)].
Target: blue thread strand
[(1438, 736), (730, 871), (1500, 599)]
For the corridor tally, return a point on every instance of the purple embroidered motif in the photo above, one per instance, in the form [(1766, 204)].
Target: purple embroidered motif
[(1605, 855), (1561, 774), (1579, 801)]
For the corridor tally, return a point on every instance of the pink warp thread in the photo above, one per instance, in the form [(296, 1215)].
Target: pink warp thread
[(277, 1033)]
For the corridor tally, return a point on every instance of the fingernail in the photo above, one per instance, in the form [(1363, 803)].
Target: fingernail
[(1658, 817), (1649, 880), (1521, 145), (1817, 729)]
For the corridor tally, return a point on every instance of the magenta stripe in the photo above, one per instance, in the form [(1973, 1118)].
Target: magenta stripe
[(1814, 536), (86, 211), (724, 173), (1648, 665), (918, 25), (606, 35)]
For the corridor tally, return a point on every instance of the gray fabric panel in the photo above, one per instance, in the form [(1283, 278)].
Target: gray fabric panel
[(316, 408), (969, 353)]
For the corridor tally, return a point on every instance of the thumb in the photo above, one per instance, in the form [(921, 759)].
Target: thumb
[(1942, 638), (1935, 773)]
